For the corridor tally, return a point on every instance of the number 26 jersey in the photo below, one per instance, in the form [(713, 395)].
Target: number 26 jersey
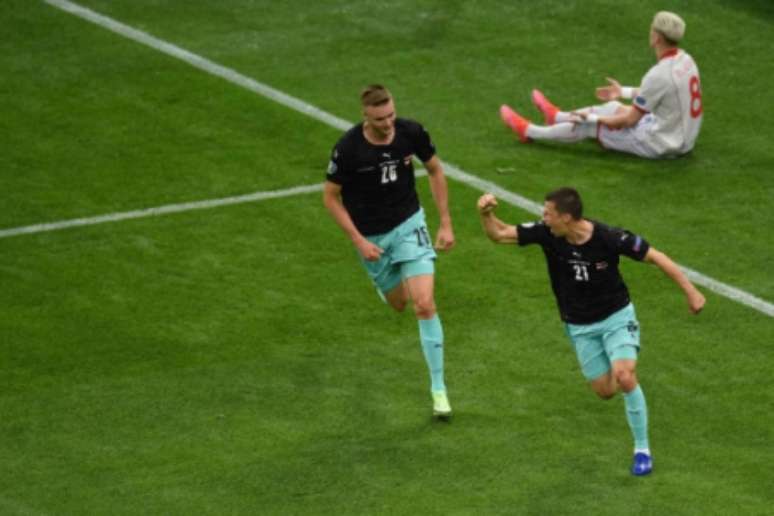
[(377, 181)]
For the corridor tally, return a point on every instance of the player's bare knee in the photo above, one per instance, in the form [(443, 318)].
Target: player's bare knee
[(626, 378), (605, 387), (424, 308)]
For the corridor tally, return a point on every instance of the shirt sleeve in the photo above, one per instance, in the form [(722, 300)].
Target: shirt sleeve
[(629, 244), (335, 173), (653, 88), (423, 144), (532, 233)]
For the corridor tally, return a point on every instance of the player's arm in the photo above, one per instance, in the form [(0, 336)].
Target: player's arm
[(695, 298), (497, 230), (332, 201), (445, 238)]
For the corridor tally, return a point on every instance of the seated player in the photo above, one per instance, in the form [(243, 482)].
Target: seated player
[(662, 122)]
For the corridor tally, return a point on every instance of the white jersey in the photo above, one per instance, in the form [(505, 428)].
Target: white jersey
[(671, 92)]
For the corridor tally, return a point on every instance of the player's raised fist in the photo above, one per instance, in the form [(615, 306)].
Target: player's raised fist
[(487, 203)]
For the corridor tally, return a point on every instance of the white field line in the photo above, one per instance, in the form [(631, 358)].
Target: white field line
[(452, 171), (159, 210)]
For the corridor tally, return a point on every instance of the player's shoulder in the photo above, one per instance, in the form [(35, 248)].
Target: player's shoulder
[(351, 137), (536, 230), (608, 233), (408, 125), (617, 237)]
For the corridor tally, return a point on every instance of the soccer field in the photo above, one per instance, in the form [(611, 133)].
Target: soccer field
[(185, 330)]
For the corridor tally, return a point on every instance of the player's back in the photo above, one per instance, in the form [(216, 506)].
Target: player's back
[(679, 113)]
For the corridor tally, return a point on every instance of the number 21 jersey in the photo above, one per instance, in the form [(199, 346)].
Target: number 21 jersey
[(585, 278)]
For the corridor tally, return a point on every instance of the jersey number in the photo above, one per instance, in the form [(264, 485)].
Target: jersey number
[(581, 272), (423, 238), (695, 90), (389, 174)]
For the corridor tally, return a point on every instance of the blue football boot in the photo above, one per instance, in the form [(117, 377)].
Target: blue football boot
[(642, 465)]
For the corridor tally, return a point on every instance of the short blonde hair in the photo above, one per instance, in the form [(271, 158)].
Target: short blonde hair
[(375, 95), (669, 25)]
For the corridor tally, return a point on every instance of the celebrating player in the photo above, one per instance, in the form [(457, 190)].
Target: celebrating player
[(593, 300), (370, 193), (663, 121)]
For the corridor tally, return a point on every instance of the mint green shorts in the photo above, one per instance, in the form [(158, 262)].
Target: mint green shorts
[(599, 344), (408, 251)]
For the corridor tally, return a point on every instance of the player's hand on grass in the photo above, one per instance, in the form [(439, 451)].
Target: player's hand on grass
[(610, 92), (487, 203), (368, 250)]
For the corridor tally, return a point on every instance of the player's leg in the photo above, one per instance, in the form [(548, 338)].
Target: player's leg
[(566, 132), (420, 285), (413, 251), (593, 361), (622, 343), (631, 140), (561, 126), (398, 297), (385, 273), (606, 109), (553, 115)]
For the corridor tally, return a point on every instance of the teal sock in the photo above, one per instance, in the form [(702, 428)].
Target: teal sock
[(431, 335), (637, 416)]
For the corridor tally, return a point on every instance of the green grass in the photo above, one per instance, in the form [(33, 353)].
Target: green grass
[(237, 361)]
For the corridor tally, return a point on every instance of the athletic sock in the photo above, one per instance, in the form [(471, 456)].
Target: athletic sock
[(606, 109), (431, 335), (637, 416), (562, 132)]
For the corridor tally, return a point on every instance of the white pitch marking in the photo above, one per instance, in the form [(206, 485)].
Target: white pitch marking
[(159, 210), (341, 124)]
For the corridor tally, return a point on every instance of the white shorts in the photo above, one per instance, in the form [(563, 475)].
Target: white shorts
[(634, 140)]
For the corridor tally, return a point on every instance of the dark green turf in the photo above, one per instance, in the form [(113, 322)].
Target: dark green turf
[(237, 361)]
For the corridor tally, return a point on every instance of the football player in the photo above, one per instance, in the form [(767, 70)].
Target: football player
[(662, 122), (593, 300), (370, 192)]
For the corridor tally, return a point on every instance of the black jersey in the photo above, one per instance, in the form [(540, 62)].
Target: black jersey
[(585, 278), (377, 181)]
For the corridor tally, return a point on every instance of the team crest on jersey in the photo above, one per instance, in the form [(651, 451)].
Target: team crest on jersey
[(600, 266)]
